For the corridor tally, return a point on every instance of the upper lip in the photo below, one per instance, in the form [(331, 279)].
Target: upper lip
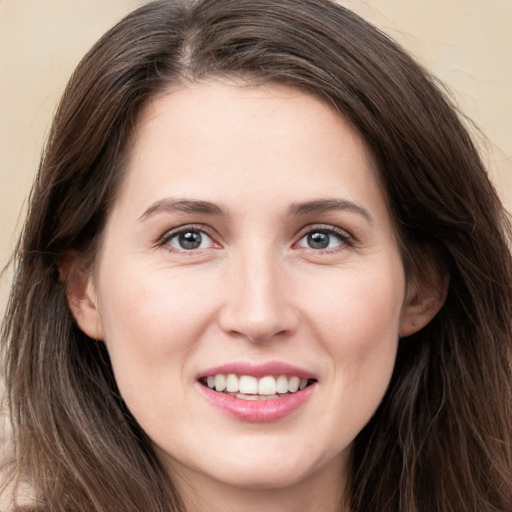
[(258, 370)]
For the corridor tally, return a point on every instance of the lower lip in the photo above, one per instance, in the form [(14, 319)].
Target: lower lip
[(258, 410)]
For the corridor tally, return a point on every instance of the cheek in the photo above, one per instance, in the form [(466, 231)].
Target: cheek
[(369, 324), (154, 301), (357, 317), (359, 330), (356, 309), (152, 322)]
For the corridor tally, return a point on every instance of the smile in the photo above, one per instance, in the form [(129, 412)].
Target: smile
[(248, 387), (257, 393)]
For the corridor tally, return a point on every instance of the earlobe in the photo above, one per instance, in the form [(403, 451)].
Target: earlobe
[(82, 298), (423, 302)]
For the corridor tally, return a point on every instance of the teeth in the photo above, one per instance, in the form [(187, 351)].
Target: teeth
[(293, 384), (282, 384), (267, 386), (232, 383), (249, 387), (247, 397), (256, 397), (220, 382)]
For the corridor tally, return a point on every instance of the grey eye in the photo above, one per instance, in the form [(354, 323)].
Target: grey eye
[(189, 240), (319, 239)]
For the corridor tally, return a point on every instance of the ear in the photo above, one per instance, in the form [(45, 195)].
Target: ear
[(422, 303), (81, 295)]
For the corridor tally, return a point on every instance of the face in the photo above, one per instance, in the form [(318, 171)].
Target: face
[(251, 247)]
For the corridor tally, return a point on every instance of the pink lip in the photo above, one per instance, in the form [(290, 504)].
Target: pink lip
[(257, 410), (258, 370)]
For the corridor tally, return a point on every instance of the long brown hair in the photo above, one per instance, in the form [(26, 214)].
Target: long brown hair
[(442, 438)]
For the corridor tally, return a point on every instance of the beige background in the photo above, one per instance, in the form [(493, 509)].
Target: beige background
[(467, 44)]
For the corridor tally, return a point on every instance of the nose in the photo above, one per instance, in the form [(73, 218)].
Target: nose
[(259, 302)]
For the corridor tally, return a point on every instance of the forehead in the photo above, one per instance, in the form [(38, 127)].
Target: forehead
[(218, 139)]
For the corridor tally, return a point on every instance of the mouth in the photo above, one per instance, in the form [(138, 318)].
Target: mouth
[(257, 393), (249, 387)]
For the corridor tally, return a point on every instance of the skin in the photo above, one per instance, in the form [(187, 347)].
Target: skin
[(254, 291)]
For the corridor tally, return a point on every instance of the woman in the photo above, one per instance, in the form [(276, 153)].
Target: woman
[(263, 269)]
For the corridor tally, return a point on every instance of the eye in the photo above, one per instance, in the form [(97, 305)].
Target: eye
[(326, 238), (188, 239)]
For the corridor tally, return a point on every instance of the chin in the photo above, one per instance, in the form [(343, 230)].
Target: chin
[(263, 477), (278, 469)]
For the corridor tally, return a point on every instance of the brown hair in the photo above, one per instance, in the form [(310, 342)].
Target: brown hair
[(442, 437)]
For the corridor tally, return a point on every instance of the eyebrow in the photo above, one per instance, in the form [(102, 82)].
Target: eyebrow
[(182, 205), (296, 209), (326, 205)]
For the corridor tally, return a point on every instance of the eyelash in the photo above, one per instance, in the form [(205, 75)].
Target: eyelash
[(190, 228), (344, 238)]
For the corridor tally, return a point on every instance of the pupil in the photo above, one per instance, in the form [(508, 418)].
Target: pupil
[(318, 240), (190, 240)]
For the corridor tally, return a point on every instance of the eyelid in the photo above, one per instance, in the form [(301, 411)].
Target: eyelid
[(171, 233), (346, 238)]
